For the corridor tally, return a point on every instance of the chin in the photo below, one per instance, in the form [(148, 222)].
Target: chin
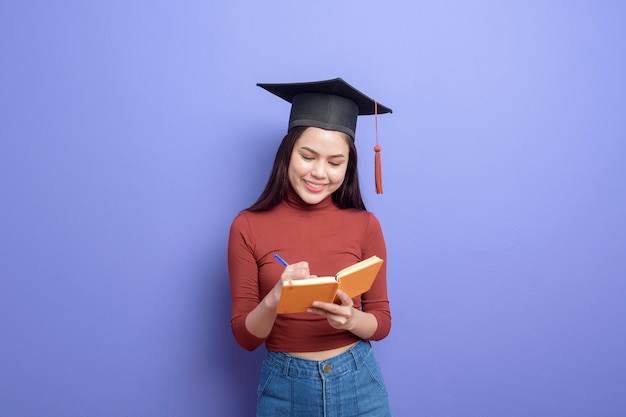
[(314, 199), (310, 198)]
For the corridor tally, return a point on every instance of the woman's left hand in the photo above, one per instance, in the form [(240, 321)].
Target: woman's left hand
[(339, 316)]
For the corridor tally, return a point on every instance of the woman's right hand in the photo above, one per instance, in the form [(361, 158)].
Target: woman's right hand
[(261, 320), (292, 272)]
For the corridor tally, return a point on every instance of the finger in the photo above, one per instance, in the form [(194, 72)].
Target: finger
[(299, 270), (336, 319), (344, 298), (329, 309), (298, 266)]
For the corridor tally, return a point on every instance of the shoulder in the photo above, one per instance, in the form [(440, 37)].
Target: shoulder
[(361, 215), (244, 218), (240, 219), (373, 225), (247, 215), (248, 221), (355, 222), (368, 223)]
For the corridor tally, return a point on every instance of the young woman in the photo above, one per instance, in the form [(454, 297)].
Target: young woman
[(318, 363)]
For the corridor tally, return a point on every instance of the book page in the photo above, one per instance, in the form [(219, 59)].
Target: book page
[(358, 278), (359, 265)]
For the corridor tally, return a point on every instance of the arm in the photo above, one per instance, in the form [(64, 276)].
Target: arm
[(260, 321), (244, 282), (346, 317), (376, 300), (373, 320), (253, 317)]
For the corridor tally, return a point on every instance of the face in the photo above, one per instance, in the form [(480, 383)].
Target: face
[(318, 163)]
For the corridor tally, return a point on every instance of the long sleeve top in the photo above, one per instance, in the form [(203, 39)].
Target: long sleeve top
[(329, 239)]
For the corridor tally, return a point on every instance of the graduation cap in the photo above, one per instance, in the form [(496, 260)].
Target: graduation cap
[(332, 105)]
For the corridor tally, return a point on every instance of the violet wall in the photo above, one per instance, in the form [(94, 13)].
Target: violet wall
[(132, 133)]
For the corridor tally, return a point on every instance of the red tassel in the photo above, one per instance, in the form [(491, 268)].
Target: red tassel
[(378, 170), (378, 166)]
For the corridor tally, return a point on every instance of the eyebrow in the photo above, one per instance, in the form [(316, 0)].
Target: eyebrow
[(306, 148)]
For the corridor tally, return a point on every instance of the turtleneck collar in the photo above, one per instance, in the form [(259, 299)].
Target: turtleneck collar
[(293, 200)]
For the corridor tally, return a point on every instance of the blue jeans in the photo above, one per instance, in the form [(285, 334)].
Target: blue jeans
[(347, 385)]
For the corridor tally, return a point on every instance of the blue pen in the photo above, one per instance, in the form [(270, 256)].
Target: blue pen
[(281, 260)]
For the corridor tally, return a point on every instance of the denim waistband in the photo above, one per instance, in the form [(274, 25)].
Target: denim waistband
[(290, 365)]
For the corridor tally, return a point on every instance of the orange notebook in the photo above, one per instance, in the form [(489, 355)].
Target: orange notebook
[(354, 280)]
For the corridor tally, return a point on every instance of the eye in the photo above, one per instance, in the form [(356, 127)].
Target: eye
[(336, 162)]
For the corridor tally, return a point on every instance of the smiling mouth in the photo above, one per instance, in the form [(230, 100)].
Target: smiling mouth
[(314, 187)]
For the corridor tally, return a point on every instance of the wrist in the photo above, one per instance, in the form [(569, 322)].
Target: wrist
[(271, 300), (363, 324), (354, 320)]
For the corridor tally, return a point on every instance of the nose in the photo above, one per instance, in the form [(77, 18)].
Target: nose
[(319, 169)]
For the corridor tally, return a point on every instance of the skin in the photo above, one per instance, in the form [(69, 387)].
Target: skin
[(317, 168), (318, 164)]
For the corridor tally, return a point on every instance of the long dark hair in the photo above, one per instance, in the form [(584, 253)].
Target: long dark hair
[(277, 187)]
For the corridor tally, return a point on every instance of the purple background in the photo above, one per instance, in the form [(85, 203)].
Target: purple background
[(132, 133)]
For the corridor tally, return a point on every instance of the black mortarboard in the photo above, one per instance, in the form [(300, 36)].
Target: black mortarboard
[(331, 104)]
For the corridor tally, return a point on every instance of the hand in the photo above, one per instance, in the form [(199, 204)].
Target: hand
[(260, 321), (338, 316), (292, 272)]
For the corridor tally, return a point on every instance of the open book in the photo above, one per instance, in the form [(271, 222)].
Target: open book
[(298, 295)]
